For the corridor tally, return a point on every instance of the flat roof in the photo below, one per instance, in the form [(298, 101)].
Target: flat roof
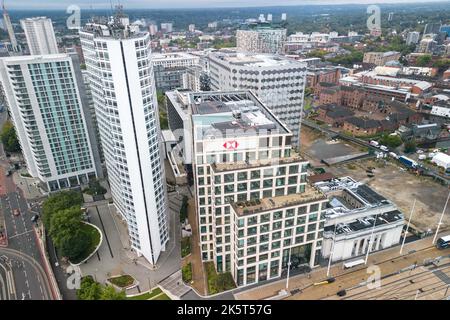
[(240, 112), (255, 60)]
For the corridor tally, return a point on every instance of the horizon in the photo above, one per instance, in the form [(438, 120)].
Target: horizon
[(30, 5)]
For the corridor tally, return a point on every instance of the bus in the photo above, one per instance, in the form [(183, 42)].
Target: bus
[(443, 242), (354, 263)]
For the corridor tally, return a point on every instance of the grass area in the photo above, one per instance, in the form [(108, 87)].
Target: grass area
[(185, 246), (218, 282), (94, 235), (146, 295), (122, 281), (187, 272)]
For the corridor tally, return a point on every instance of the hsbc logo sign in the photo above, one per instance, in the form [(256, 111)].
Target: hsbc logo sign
[(231, 145)]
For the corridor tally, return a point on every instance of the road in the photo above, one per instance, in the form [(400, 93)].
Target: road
[(22, 256)]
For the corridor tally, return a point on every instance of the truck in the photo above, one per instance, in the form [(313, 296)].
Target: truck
[(408, 162), (374, 143)]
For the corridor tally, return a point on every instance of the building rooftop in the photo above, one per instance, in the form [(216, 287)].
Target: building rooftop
[(236, 112), (267, 204), (255, 60)]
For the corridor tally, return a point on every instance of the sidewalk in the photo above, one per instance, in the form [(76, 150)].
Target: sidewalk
[(29, 186), (388, 260), (198, 278)]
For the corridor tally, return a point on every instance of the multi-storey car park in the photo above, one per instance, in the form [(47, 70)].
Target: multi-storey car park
[(119, 66), (254, 207), (279, 82)]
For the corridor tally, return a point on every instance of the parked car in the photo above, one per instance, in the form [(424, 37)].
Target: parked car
[(16, 212)]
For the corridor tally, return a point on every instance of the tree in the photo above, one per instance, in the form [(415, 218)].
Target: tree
[(424, 60), (392, 141), (59, 201), (410, 146), (109, 293), (89, 289), (64, 223), (74, 245), (9, 138)]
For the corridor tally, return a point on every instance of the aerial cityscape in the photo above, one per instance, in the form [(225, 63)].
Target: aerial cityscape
[(223, 151)]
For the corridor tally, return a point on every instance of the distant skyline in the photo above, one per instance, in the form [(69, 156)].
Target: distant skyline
[(166, 4)]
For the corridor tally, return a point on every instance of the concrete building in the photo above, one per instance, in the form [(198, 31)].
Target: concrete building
[(169, 69), (261, 40), (412, 38), (432, 28), (40, 35), (191, 28), (9, 28), (277, 81), (358, 220), (427, 45), (381, 58), (119, 64), (153, 29), (167, 27), (196, 79), (253, 204), (47, 102)]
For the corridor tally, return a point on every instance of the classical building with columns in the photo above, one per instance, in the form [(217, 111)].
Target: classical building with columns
[(358, 219)]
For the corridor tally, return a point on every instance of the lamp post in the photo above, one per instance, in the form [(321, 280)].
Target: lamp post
[(407, 226), (440, 220), (332, 250), (369, 245), (289, 267)]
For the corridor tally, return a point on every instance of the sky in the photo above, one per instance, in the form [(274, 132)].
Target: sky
[(150, 4)]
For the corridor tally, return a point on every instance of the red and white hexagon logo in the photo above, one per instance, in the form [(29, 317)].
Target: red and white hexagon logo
[(231, 145)]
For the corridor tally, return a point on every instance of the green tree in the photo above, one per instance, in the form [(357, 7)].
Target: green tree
[(163, 120), (109, 293), (64, 223), (75, 244), (424, 60), (9, 138), (59, 201), (410, 146), (89, 289), (391, 141)]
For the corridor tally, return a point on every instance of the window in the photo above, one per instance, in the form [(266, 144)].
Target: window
[(251, 231), (276, 225), (299, 239), (228, 177), (265, 217), (252, 221), (268, 183), (276, 235), (312, 227), (277, 215), (310, 236), (264, 228), (276, 245), (289, 223), (280, 182), (312, 217), (293, 169), (242, 176), (255, 174)]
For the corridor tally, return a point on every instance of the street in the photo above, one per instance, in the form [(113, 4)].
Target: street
[(22, 263)]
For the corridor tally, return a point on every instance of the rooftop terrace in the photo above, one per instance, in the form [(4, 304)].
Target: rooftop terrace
[(268, 204)]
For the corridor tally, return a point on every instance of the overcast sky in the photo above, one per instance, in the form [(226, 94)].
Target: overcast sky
[(130, 4)]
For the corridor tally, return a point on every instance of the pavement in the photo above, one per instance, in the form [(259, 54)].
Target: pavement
[(115, 256), (389, 261)]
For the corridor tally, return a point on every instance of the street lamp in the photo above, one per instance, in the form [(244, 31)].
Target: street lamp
[(370, 239), (440, 220), (407, 226), (332, 250), (289, 267)]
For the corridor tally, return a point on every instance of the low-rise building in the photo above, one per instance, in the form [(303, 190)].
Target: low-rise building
[(381, 58), (358, 219)]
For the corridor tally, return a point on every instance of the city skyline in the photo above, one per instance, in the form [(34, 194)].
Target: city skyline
[(175, 4)]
